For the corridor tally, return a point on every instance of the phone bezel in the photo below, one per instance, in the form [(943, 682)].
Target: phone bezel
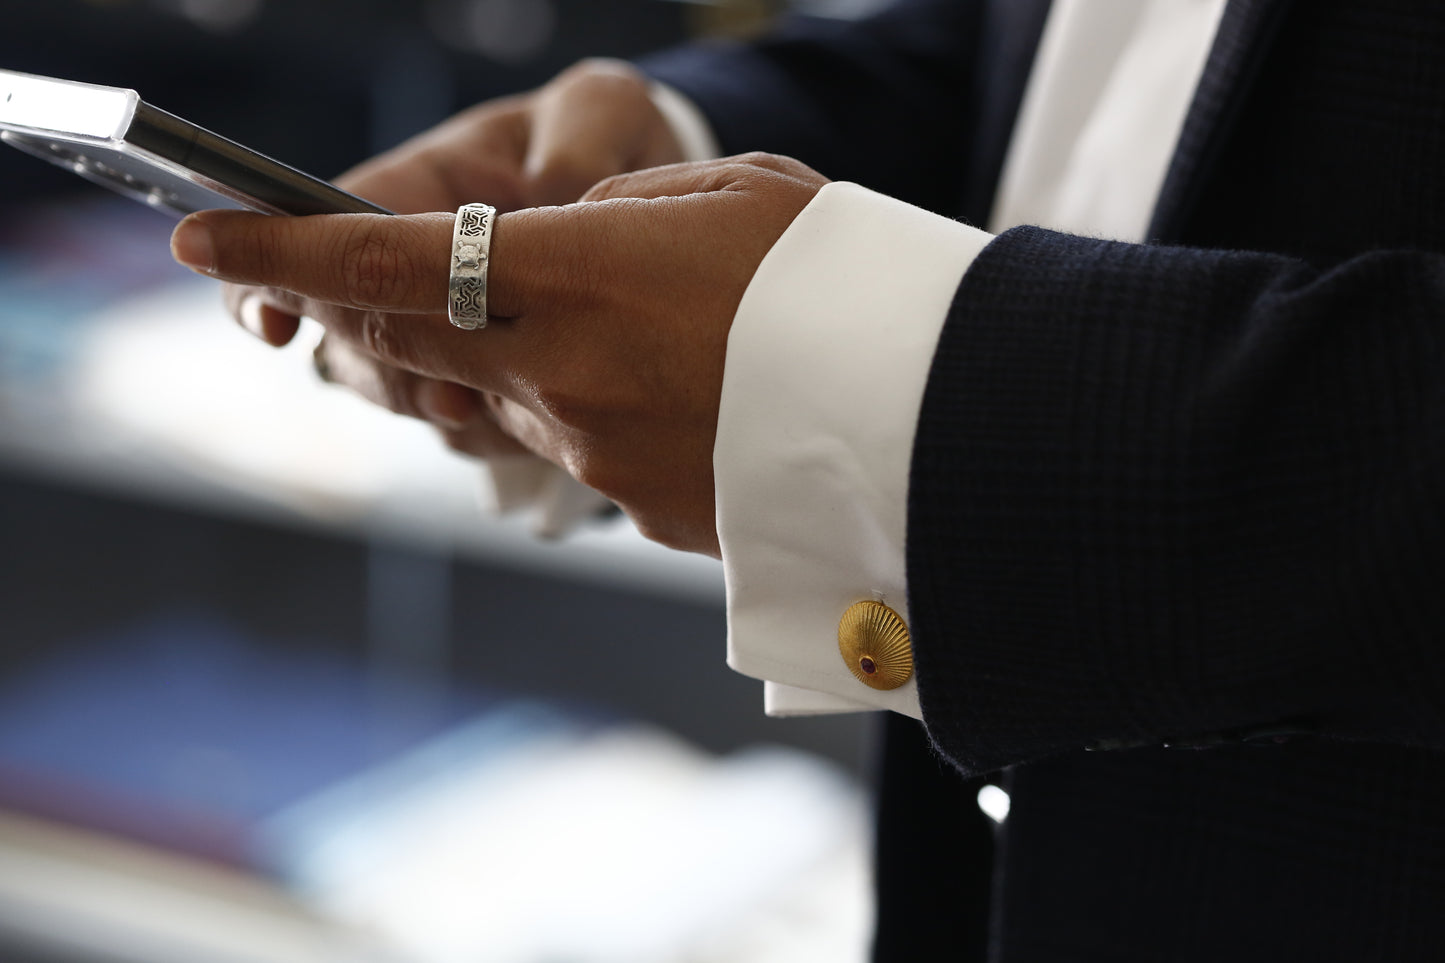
[(157, 158)]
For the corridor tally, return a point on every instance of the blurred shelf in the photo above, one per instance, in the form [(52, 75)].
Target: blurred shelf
[(71, 895), (157, 394)]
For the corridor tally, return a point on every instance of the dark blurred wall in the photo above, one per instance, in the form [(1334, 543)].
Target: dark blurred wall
[(319, 85)]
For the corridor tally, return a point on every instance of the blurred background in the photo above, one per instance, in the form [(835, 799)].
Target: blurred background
[(273, 686)]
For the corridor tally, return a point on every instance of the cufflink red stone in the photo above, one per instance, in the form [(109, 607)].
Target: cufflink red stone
[(875, 645)]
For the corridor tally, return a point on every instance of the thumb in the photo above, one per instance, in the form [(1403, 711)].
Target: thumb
[(592, 122)]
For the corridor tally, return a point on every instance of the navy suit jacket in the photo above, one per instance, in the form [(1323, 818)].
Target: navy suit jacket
[(1178, 494)]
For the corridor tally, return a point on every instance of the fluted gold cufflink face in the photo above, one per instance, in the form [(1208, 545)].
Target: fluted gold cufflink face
[(874, 643)]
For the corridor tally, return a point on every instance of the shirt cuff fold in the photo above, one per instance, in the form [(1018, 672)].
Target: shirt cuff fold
[(827, 360)]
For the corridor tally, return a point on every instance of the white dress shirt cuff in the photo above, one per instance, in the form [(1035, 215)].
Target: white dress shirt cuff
[(826, 364)]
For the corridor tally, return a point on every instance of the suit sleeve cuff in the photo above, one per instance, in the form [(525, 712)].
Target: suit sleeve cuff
[(826, 365)]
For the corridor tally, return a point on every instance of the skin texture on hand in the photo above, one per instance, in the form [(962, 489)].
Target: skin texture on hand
[(546, 147), (610, 316)]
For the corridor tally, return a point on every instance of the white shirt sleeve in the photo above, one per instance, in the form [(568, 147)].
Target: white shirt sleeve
[(826, 365)]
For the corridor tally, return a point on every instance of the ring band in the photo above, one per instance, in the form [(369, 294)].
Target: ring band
[(471, 246)]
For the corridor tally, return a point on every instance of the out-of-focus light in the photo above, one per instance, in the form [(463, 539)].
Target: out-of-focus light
[(221, 15), (994, 802), (839, 9), (510, 31)]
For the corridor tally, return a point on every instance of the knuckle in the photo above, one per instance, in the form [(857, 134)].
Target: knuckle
[(594, 472), (758, 158), (762, 161), (654, 528), (605, 75), (773, 166), (375, 268), (565, 407), (377, 336)]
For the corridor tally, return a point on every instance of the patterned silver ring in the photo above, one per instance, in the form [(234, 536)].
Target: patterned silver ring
[(471, 247)]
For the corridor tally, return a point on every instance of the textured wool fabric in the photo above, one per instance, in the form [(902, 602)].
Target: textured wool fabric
[(1186, 492)]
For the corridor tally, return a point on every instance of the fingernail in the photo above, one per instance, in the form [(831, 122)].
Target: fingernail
[(191, 245), (251, 317)]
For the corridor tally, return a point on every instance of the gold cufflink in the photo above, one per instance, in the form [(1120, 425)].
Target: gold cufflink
[(873, 640)]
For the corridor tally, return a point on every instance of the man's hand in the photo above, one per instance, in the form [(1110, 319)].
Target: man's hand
[(591, 122), (610, 317)]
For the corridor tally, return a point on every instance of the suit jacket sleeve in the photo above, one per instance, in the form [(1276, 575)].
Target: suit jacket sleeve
[(1170, 494), (885, 101), (1165, 493)]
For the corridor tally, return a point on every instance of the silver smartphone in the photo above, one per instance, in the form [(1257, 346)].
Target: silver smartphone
[(110, 136)]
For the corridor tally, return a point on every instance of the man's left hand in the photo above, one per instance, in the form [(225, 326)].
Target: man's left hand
[(609, 317)]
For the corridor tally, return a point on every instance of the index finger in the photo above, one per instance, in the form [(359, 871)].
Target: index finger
[(379, 282), (369, 261)]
